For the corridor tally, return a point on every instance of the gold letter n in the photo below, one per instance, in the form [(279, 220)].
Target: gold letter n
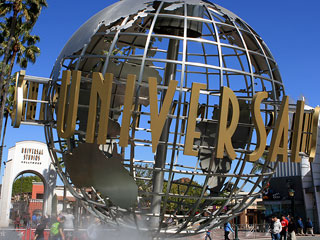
[(101, 87)]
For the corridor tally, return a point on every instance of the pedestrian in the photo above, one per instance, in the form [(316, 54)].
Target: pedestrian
[(17, 222), (271, 226), (284, 225), (26, 220), (56, 230), (227, 230), (292, 229), (309, 226), (68, 224), (276, 228), (39, 218), (208, 235), (300, 227), (39, 233), (34, 220)]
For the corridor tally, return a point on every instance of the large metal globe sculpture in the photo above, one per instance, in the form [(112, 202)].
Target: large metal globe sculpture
[(165, 192)]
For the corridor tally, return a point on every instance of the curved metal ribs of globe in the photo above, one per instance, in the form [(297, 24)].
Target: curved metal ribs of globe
[(160, 187)]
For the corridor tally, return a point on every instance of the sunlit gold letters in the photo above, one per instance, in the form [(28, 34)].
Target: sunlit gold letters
[(101, 87), (192, 117), (314, 136), (127, 109), (279, 140), (158, 120), (305, 127), (260, 128), (224, 132), (297, 130), (66, 128)]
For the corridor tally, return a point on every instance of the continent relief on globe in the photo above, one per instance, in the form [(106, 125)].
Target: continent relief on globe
[(88, 166)]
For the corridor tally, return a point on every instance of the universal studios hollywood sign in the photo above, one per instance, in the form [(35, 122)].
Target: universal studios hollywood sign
[(304, 130)]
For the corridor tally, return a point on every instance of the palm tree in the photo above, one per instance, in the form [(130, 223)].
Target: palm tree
[(24, 51), (27, 11), (23, 47), (17, 44)]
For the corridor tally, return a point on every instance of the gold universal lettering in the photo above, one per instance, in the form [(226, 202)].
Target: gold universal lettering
[(127, 110), (279, 140), (101, 87), (314, 137), (297, 130), (260, 127), (192, 117), (158, 120), (225, 133), (32, 106), (18, 99), (43, 98), (307, 117), (66, 128)]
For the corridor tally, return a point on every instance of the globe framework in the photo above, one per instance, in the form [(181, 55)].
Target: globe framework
[(188, 41)]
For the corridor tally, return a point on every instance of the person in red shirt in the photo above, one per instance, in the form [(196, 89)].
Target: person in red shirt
[(284, 224)]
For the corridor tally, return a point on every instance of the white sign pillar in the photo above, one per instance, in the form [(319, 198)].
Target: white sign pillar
[(27, 157)]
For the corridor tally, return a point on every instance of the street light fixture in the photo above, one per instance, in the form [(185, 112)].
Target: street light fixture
[(291, 195)]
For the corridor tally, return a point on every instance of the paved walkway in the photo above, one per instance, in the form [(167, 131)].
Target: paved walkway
[(218, 234), (317, 237)]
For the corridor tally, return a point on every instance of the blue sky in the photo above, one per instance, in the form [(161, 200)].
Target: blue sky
[(289, 28)]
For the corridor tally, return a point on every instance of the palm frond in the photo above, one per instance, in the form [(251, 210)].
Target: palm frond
[(5, 8)]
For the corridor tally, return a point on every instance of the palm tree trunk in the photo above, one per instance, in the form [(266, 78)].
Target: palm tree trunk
[(3, 136), (3, 112), (13, 58), (4, 85), (2, 108)]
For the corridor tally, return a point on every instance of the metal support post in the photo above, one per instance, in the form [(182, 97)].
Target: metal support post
[(161, 154), (236, 232)]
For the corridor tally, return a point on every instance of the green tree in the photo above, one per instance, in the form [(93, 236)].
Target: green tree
[(182, 187), (24, 184)]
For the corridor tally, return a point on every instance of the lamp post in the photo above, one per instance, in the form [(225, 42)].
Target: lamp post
[(291, 195)]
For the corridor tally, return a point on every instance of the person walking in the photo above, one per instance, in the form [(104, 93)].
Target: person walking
[(39, 233), (276, 229), (56, 230), (292, 229), (284, 225), (17, 222), (68, 224), (208, 235), (309, 226), (34, 220), (300, 227), (227, 230)]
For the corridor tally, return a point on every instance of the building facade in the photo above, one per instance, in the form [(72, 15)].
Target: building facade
[(27, 157), (295, 189)]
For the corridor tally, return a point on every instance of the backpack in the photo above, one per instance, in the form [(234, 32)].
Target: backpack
[(54, 230)]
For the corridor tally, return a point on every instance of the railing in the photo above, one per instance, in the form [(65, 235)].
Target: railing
[(28, 234), (245, 231), (252, 231)]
